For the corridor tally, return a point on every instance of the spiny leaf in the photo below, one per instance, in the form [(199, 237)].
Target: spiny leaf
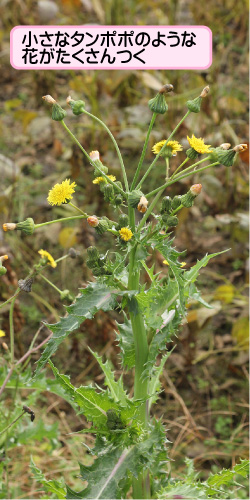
[(192, 273), (154, 384), (51, 486), (93, 404), (93, 298), (116, 387), (126, 343)]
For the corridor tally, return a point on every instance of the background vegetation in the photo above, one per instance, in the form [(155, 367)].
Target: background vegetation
[(204, 402)]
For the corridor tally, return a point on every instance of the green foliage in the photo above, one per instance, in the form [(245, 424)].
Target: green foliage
[(52, 486)]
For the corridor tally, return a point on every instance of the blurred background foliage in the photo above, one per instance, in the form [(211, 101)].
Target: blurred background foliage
[(204, 403)]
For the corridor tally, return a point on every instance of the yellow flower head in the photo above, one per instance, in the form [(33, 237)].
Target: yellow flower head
[(46, 255), (125, 234), (172, 146), (198, 145), (2, 333), (98, 180), (61, 193)]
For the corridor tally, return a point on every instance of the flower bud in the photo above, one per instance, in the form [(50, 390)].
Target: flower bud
[(142, 205), (192, 154), (134, 198), (93, 221), (102, 226), (27, 226), (118, 200), (72, 253), (3, 270), (3, 258), (4, 346), (225, 157), (9, 226), (123, 221), (176, 202), (108, 192), (94, 155), (66, 294), (25, 285), (77, 107), (58, 113), (225, 145), (166, 205), (194, 105), (158, 104), (170, 220), (187, 199), (93, 254), (166, 88)]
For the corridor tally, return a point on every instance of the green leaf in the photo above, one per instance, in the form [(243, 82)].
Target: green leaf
[(227, 476), (93, 298), (93, 404), (116, 387), (106, 476), (154, 384), (126, 343), (51, 486), (191, 274)]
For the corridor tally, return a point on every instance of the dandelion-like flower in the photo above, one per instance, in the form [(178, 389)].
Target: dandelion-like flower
[(99, 180), (171, 149), (198, 145), (2, 333), (61, 193), (125, 234), (46, 255)]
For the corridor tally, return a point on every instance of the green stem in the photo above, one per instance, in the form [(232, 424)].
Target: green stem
[(143, 151), (50, 283), (162, 149), (11, 298), (191, 166), (61, 220), (76, 208), (180, 166), (115, 144), (167, 168), (161, 188), (12, 333), (12, 423), (91, 161)]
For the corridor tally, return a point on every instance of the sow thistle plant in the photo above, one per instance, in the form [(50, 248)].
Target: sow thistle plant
[(130, 453)]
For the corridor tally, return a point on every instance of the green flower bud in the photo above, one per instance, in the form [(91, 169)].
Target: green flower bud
[(194, 105), (118, 200), (213, 155), (77, 107), (226, 157), (134, 198), (187, 199), (192, 154), (123, 221), (108, 192), (158, 104), (58, 114), (98, 271), (27, 226), (66, 294), (176, 202), (109, 222), (3, 270), (119, 184), (113, 420), (104, 169), (93, 254), (166, 205), (170, 220), (102, 226)]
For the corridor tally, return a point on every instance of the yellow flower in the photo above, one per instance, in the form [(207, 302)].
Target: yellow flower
[(182, 264), (98, 180), (125, 234), (174, 147), (2, 333), (46, 255), (198, 145), (61, 193)]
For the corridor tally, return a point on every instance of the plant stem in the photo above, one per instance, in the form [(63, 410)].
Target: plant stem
[(161, 188), (167, 168), (12, 423), (50, 283), (61, 220), (150, 209), (191, 166), (76, 208), (180, 166), (91, 161), (11, 298), (143, 151), (115, 144), (12, 333), (162, 149)]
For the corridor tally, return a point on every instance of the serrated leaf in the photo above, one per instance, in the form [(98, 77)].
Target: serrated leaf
[(51, 486), (192, 273), (126, 343), (226, 476), (106, 476), (154, 384), (93, 404), (116, 387), (93, 298)]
